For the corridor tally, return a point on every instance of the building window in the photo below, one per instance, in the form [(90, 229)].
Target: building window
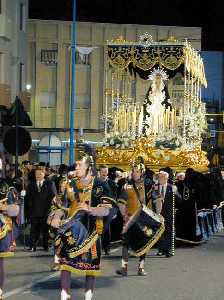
[(83, 101), (22, 19), (47, 99), (83, 59), (50, 150)]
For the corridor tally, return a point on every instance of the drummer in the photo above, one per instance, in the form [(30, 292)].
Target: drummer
[(79, 226), (9, 210), (132, 195)]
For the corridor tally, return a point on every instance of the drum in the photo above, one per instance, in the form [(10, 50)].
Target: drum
[(143, 230)]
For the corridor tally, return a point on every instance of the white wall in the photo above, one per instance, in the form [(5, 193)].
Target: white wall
[(13, 44)]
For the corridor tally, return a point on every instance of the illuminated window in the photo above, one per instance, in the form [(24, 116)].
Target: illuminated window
[(47, 99)]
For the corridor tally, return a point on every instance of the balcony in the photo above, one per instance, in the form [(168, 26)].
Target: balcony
[(49, 57)]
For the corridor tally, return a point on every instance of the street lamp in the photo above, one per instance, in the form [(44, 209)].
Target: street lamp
[(28, 87), (73, 81)]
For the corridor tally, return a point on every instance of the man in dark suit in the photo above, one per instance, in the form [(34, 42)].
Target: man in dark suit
[(163, 195), (111, 188), (38, 199)]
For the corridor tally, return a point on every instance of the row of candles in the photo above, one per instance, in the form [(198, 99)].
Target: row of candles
[(127, 120), (168, 120)]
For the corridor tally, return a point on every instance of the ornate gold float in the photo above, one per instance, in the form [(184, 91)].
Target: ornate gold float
[(184, 121), (154, 158)]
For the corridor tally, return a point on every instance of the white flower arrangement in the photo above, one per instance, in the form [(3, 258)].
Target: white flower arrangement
[(119, 142), (169, 140), (196, 123)]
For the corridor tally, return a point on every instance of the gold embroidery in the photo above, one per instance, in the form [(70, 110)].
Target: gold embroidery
[(147, 231), (99, 225), (71, 240), (94, 251)]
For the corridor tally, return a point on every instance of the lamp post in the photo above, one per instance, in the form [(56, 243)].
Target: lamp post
[(73, 82)]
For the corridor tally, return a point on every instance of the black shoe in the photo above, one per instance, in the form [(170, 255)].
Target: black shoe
[(141, 272), (123, 272), (32, 249), (168, 254), (107, 251)]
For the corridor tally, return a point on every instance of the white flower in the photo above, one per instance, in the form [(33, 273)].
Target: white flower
[(157, 153), (126, 144), (167, 157)]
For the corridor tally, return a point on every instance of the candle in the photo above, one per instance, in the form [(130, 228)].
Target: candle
[(124, 118), (134, 120), (127, 117), (168, 119)]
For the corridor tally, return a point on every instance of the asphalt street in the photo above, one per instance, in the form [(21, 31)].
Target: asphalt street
[(192, 274)]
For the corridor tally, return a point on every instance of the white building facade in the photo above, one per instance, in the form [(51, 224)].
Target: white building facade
[(13, 16)]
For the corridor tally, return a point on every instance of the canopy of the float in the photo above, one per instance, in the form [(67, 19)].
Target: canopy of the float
[(140, 58)]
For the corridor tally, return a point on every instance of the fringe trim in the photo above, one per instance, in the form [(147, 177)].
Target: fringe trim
[(151, 242), (6, 254), (93, 238), (80, 272)]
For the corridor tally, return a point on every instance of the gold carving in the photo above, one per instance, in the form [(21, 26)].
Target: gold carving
[(120, 40), (154, 158)]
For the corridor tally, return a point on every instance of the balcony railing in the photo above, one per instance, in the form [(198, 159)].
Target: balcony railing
[(49, 57)]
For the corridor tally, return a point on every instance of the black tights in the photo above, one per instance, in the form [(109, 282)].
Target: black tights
[(66, 281), (125, 254)]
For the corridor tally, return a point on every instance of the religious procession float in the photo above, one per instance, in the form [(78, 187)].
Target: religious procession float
[(153, 106)]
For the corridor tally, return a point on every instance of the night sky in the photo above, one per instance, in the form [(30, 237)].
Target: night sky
[(209, 16)]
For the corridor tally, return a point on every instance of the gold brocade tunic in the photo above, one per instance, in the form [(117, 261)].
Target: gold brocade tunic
[(84, 196), (133, 200)]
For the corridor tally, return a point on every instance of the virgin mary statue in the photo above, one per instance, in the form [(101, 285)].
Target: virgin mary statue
[(157, 100)]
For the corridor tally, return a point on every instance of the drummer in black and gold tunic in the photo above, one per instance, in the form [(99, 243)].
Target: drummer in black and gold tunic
[(79, 227), (132, 196), (9, 210)]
